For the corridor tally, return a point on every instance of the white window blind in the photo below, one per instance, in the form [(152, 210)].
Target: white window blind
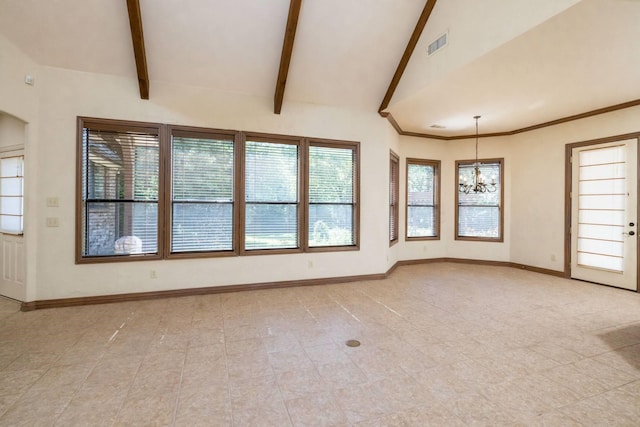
[(479, 213), (601, 206), (394, 178), (421, 200), (271, 185), (11, 194), (119, 192), (331, 196), (202, 189)]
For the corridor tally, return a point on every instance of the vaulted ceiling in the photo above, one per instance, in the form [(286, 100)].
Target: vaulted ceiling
[(518, 63)]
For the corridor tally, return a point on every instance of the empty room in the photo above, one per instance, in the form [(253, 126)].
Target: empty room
[(319, 212)]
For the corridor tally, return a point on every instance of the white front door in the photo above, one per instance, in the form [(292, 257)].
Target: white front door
[(12, 262), (604, 221)]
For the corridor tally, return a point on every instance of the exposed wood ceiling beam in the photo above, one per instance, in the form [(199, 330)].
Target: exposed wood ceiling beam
[(135, 21), (417, 31), (285, 57)]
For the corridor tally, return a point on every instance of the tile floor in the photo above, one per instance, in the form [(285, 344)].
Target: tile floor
[(442, 344)]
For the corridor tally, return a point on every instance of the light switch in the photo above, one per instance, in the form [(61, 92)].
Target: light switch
[(52, 202), (53, 222)]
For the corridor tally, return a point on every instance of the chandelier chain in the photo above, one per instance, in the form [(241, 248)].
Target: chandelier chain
[(478, 185)]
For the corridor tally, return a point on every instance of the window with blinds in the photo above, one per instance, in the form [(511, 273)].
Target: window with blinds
[(271, 195), (11, 194), (332, 197), (153, 191), (394, 199), (202, 192), (479, 215), (120, 191), (422, 198)]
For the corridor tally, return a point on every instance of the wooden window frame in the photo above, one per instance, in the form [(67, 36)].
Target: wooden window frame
[(164, 133), (275, 139), (498, 239), (436, 164), (355, 147), (198, 132), (119, 126), (394, 198)]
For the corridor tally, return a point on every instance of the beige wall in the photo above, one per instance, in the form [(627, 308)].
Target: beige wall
[(20, 101), (537, 198), (534, 189), (534, 177), (448, 152), (65, 94)]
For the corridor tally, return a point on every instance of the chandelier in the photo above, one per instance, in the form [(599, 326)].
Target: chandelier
[(478, 185)]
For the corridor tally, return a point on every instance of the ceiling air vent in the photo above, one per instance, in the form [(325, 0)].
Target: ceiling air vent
[(437, 44), (436, 126)]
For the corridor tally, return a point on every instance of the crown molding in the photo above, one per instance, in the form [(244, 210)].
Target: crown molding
[(591, 113)]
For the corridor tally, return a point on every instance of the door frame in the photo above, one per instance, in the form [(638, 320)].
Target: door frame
[(567, 195)]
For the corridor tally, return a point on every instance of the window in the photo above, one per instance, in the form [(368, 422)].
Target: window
[(479, 216), (11, 194), (202, 192), (332, 197), (119, 188), (151, 191), (271, 195), (394, 182), (423, 187)]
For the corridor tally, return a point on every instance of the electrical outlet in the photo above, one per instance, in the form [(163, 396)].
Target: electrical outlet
[(153, 274), (53, 222), (52, 202), (310, 264)]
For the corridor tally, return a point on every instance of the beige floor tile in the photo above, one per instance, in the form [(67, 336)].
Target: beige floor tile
[(359, 403), (632, 388), (156, 409), (317, 409), (205, 337), (300, 383), (204, 406), (245, 346), (14, 383), (572, 378), (607, 375), (158, 382), (259, 406), (247, 366), (201, 374), (341, 374), (509, 396), (327, 353), (596, 412), (283, 361), (91, 411), (550, 393), (50, 403), (442, 344)]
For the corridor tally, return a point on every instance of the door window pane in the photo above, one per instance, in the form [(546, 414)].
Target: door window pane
[(11, 194), (601, 203)]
